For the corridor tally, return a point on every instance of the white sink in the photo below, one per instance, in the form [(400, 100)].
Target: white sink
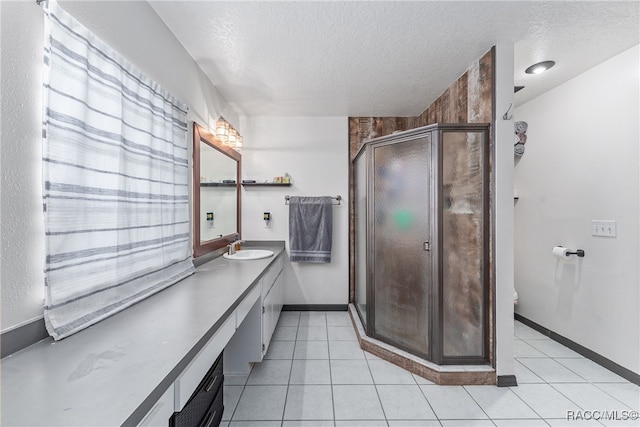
[(249, 254)]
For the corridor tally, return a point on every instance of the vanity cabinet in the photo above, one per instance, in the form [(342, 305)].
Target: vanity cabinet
[(166, 367), (261, 311), (196, 397)]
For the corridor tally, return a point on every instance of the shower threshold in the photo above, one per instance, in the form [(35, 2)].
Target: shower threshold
[(438, 374)]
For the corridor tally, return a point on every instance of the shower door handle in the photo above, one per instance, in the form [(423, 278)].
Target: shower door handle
[(426, 246)]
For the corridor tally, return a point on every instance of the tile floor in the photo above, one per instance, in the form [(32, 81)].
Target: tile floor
[(315, 375)]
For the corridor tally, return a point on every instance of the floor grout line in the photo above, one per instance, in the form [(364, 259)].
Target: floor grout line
[(333, 403), (286, 396), (437, 419)]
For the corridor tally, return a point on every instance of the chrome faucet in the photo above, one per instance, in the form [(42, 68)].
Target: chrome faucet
[(234, 246)]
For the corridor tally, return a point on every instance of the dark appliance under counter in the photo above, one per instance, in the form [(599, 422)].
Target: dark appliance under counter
[(205, 406)]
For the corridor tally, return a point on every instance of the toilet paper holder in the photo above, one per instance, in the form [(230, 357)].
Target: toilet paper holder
[(578, 252)]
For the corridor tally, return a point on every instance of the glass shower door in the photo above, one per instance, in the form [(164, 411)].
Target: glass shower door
[(402, 265)]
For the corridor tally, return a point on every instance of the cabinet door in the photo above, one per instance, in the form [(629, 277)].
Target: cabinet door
[(267, 320), (272, 306), (278, 298)]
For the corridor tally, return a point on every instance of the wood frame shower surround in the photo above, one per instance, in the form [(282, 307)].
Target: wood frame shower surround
[(470, 99)]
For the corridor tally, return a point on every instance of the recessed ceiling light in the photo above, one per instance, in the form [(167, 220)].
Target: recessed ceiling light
[(540, 67)]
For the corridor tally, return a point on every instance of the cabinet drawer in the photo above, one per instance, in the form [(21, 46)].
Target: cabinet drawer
[(161, 412), (213, 416), (215, 377), (246, 304), (195, 411), (213, 381), (188, 381), (271, 275)]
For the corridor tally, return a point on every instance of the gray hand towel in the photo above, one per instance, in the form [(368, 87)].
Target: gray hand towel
[(310, 225)]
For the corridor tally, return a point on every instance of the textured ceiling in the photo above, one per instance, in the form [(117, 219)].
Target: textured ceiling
[(333, 58)]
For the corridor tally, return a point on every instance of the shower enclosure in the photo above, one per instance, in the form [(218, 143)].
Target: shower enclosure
[(422, 242)]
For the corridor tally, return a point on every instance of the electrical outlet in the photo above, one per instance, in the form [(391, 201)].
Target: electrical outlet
[(605, 228)]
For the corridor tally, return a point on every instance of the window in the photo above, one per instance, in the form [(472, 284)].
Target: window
[(116, 176)]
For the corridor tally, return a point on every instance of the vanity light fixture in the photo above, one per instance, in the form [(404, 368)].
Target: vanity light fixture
[(540, 67), (227, 134)]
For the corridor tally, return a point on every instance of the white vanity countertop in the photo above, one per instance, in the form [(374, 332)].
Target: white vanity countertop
[(112, 373)]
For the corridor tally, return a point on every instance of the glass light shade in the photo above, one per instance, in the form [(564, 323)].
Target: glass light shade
[(239, 142), (221, 129), (233, 136)]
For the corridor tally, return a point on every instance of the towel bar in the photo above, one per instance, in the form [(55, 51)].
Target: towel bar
[(338, 198)]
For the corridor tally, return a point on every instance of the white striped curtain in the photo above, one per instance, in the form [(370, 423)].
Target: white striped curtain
[(115, 172)]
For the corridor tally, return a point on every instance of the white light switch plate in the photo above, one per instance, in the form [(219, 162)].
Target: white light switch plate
[(606, 228)]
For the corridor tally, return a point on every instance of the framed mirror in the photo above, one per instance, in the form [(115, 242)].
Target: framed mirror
[(216, 192)]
